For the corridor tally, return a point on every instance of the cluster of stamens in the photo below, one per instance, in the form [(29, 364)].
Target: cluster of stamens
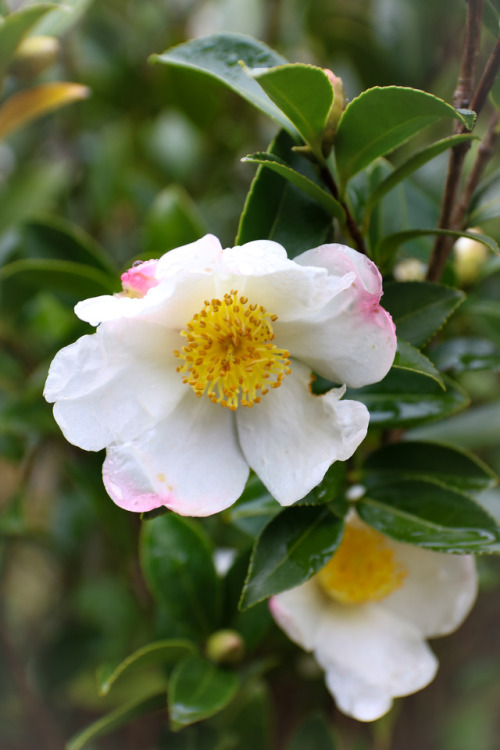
[(364, 568), (229, 352)]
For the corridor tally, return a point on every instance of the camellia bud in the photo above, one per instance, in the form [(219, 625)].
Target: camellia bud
[(225, 647), (34, 55), (409, 269), (469, 256), (338, 106)]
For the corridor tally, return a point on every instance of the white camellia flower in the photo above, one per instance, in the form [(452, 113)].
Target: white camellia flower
[(366, 615), (201, 368)]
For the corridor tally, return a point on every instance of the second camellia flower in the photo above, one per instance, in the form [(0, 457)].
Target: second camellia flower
[(201, 369)]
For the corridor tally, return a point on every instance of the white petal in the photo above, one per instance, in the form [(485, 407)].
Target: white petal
[(190, 462), (352, 340), (367, 646), (298, 612), (438, 592), (114, 384), (292, 437), (201, 256)]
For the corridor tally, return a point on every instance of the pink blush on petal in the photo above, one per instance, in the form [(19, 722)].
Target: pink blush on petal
[(138, 502), (139, 279)]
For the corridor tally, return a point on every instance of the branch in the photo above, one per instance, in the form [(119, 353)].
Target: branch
[(351, 225), (461, 99)]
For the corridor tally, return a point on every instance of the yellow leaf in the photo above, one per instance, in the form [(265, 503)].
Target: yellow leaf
[(26, 105)]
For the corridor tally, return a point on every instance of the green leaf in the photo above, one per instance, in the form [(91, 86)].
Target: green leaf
[(291, 549), (55, 238), (173, 220), (61, 20), (381, 119), (428, 515), (221, 56), (32, 189), (450, 467), (197, 690), (476, 428), (250, 718), (59, 275), (116, 719), (14, 28), (329, 490), (304, 93), (405, 399), (466, 354), (277, 210), (176, 559), (155, 653), (388, 246), (410, 358), (419, 309), (254, 509), (408, 167), (487, 211), (309, 187), (313, 734)]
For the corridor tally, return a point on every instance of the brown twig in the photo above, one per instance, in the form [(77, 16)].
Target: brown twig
[(461, 99), (350, 221), (484, 154), (487, 79)]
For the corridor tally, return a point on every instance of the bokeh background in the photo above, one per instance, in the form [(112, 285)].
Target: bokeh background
[(152, 160)]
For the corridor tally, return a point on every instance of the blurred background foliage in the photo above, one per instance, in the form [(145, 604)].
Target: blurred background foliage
[(148, 162)]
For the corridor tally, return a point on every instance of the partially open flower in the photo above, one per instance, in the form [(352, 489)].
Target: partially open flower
[(367, 613), (202, 369)]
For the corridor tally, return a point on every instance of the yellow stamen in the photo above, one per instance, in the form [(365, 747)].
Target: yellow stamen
[(364, 568), (229, 353)]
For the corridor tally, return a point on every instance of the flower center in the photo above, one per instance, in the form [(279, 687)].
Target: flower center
[(230, 354), (363, 569)]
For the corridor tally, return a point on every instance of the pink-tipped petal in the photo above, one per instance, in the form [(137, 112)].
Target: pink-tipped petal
[(190, 463)]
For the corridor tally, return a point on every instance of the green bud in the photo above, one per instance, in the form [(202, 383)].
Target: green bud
[(34, 55), (225, 647)]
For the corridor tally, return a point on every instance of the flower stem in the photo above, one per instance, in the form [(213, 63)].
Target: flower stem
[(350, 225)]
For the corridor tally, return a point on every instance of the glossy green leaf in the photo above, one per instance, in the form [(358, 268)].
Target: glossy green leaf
[(291, 549), (329, 490), (409, 358), (313, 734), (176, 559), (451, 467), (388, 246), (408, 167), (117, 718), (254, 509), (309, 187), (14, 28), (277, 210), (428, 515), (197, 690), (159, 652), (404, 399), (250, 719), (381, 119), (476, 428), (419, 309), (172, 221), (466, 354), (221, 56), (304, 93)]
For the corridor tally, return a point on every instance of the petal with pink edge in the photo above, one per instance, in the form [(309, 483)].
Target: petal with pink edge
[(189, 462), (293, 436)]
